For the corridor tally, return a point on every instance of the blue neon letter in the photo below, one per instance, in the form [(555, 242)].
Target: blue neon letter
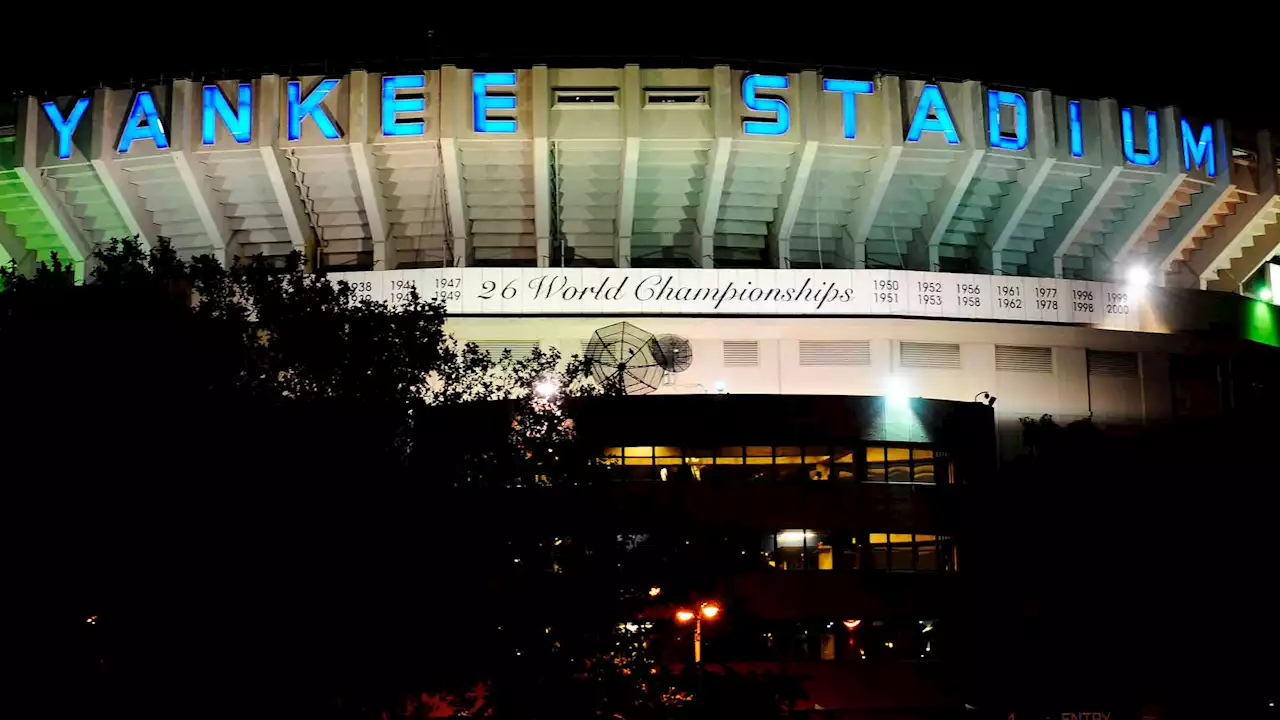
[(1200, 151), (848, 90), (239, 123), (775, 105), (143, 122), (391, 106), (1075, 129), (483, 103), (931, 99), (1152, 155), (65, 127), (299, 109), (996, 98)]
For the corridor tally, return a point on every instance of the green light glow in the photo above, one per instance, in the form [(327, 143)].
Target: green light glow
[(1260, 323)]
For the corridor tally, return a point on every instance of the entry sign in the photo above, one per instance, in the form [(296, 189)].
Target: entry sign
[(808, 293)]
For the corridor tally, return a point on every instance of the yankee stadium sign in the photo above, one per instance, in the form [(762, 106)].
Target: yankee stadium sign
[(593, 291), (493, 105)]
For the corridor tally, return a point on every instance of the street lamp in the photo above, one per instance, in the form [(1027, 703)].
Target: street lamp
[(708, 610)]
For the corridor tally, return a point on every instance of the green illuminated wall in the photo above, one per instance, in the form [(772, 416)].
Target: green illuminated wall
[(26, 234)]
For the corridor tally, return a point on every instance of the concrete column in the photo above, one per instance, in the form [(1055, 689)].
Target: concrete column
[(717, 165), (454, 94), (632, 99), (284, 188), (114, 179), (867, 206)]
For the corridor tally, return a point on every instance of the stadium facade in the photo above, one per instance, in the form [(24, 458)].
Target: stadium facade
[(807, 233), (913, 246)]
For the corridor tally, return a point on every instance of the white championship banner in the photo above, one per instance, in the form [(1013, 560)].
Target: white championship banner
[(596, 291)]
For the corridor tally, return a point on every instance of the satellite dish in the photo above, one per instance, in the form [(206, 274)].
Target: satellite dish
[(673, 353), (622, 356)]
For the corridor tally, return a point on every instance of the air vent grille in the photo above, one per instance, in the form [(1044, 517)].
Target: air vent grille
[(586, 96), (741, 353), (942, 356), (835, 353), (1016, 358), (520, 349), (1113, 364), (675, 97)]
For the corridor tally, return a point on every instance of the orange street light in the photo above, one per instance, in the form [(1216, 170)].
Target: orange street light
[(655, 591), (852, 624), (708, 610)]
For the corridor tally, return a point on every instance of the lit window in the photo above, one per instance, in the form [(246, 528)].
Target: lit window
[(799, 550), (729, 455), (666, 455), (907, 552), (903, 466), (642, 455)]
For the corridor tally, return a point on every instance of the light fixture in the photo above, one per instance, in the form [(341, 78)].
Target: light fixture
[(710, 611), (721, 388), (684, 616), (655, 591), (986, 397), (792, 538), (895, 394), (1265, 294), (546, 387), (852, 624), (1138, 277)]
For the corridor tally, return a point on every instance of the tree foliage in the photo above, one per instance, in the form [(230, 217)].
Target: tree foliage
[(259, 343), (223, 450)]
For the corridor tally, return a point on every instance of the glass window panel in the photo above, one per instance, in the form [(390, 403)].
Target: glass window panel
[(897, 454), (921, 453), (826, 557), (879, 538), (843, 456), (817, 454), (880, 557), (925, 538), (901, 557), (875, 465), (845, 472), (851, 558), (923, 472), (790, 454), (899, 464), (666, 451), (760, 455), (612, 456), (927, 557), (896, 538), (667, 461), (639, 451), (729, 455), (828, 647), (637, 461)]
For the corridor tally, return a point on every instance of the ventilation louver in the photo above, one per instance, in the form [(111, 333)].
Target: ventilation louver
[(520, 349), (741, 353), (835, 353), (1017, 358), (1113, 364), (940, 356)]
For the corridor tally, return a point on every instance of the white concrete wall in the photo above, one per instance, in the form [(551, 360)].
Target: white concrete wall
[(1068, 392)]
